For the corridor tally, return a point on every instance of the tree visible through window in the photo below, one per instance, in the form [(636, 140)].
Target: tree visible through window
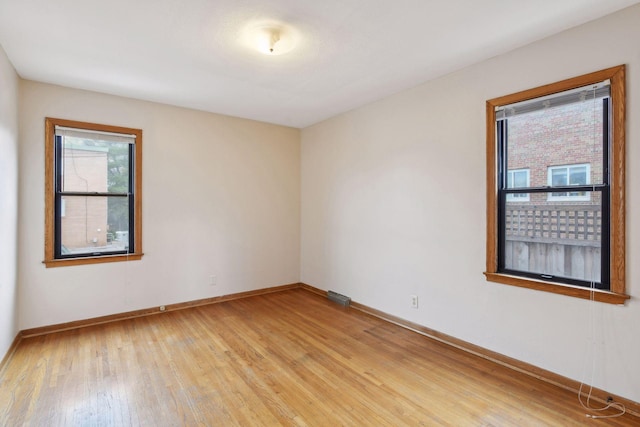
[(555, 182), (93, 193)]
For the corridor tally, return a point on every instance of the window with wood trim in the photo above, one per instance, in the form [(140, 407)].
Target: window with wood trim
[(93, 197), (562, 229)]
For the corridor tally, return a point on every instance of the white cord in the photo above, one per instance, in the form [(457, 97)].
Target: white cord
[(610, 404)]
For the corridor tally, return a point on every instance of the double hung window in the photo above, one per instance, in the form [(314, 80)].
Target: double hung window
[(92, 193), (555, 187)]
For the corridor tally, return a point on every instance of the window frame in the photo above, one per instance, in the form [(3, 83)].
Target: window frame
[(616, 294), (50, 259), (519, 197), (568, 198)]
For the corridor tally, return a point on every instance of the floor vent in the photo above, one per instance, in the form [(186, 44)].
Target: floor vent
[(340, 299)]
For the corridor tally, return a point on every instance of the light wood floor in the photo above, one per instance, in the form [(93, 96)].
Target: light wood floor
[(287, 358)]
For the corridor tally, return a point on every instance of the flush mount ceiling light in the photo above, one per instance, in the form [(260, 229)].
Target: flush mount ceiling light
[(270, 38)]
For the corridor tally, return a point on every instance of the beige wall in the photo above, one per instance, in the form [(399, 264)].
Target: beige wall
[(221, 197), (393, 204), (8, 203)]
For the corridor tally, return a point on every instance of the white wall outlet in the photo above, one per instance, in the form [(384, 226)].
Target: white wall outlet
[(213, 280), (414, 301)]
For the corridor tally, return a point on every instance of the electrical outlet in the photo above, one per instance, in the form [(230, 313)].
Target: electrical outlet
[(213, 280), (414, 301)]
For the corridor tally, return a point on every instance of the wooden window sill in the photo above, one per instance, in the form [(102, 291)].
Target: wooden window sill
[(556, 288), (91, 260)]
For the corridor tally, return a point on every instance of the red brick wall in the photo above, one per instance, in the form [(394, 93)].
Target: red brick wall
[(84, 223), (566, 135)]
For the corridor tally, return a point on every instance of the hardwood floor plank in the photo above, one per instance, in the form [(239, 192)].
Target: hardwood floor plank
[(290, 358)]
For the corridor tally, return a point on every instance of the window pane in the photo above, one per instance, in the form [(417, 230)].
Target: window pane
[(94, 225), (563, 135), (558, 177), (578, 175), (569, 175), (561, 240), (520, 179), (90, 165)]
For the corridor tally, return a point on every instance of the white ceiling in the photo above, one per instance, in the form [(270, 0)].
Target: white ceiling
[(351, 52)]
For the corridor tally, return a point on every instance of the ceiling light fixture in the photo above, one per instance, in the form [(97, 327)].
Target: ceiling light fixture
[(270, 38), (274, 40)]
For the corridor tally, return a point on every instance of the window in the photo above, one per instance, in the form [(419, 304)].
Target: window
[(564, 176), (562, 228), (93, 193), (518, 178)]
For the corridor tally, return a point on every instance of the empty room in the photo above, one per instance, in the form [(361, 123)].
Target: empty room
[(288, 212)]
